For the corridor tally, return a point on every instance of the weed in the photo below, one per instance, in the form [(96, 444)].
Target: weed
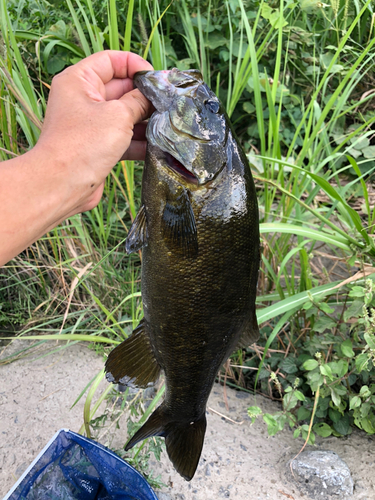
[(294, 79)]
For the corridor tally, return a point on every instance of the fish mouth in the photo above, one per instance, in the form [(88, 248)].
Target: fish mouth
[(177, 167)]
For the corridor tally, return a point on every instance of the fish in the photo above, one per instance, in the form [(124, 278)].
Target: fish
[(198, 228)]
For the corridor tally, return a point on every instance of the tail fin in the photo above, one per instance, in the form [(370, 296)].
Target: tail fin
[(184, 440)]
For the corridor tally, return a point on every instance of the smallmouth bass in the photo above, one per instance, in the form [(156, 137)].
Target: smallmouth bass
[(198, 228)]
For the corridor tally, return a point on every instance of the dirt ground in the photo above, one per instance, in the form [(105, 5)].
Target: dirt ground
[(239, 461)]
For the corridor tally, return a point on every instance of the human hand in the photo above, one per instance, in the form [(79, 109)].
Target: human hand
[(94, 119)]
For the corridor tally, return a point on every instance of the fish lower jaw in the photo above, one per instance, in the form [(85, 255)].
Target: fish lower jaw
[(177, 168)]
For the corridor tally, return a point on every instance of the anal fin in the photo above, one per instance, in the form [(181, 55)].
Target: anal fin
[(137, 237), (133, 361)]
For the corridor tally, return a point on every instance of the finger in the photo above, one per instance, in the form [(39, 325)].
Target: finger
[(110, 64), (136, 151), (137, 106), (117, 87), (139, 131)]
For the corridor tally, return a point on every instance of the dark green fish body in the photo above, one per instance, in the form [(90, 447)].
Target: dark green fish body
[(199, 230)]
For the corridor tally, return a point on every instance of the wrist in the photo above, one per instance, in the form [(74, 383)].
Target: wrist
[(67, 178)]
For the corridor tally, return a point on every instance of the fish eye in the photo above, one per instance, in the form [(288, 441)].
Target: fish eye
[(212, 105)]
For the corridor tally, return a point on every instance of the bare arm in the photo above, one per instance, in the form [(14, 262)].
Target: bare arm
[(90, 124)]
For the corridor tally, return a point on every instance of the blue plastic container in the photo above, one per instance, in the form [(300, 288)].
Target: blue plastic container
[(72, 467)]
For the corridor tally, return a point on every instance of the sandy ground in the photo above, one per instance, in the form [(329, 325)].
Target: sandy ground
[(238, 461)]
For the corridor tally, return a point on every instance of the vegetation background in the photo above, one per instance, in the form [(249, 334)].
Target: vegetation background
[(298, 82)]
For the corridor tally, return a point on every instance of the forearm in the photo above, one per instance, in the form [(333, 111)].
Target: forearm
[(93, 119), (34, 198)]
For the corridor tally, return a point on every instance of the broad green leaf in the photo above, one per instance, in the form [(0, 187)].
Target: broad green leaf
[(326, 371), (288, 365), (289, 401), (324, 323), (368, 425), (334, 415), (343, 425), (299, 395), (361, 362), (310, 364), (303, 413), (357, 291), (254, 412), (365, 392), (269, 419), (354, 310), (355, 402), (322, 429), (347, 348), (272, 425), (335, 397), (365, 409), (342, 367), (296, 433), (370, 339)]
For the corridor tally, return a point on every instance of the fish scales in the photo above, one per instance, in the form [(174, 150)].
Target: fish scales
[(211, 294), (199, 231)]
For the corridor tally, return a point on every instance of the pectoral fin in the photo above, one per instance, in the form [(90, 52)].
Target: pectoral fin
[(137, 237), (178, 226), (133, 361)]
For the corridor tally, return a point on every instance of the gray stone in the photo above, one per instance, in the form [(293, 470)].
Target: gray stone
[(321, 475)]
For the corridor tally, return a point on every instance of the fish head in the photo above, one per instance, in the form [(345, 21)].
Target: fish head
[(189, 123)]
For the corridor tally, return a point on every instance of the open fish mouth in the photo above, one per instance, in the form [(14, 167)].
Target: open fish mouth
[(177, 167), (189, 124)]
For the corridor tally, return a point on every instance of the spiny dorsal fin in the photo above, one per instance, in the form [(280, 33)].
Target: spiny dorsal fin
[(137, 237), (133, 361), (178, 226)]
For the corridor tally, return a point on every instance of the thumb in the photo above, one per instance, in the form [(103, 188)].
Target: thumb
[(137, 105)]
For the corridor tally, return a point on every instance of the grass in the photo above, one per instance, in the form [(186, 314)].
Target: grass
[(294, 101)]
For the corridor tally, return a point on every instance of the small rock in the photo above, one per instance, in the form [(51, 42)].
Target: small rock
[(241, 395), (223, 492), (322, 475)]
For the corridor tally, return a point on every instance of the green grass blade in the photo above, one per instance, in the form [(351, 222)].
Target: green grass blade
[(297, 300), (129, 25), (114, 43), (79, 28), (332, 239)]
